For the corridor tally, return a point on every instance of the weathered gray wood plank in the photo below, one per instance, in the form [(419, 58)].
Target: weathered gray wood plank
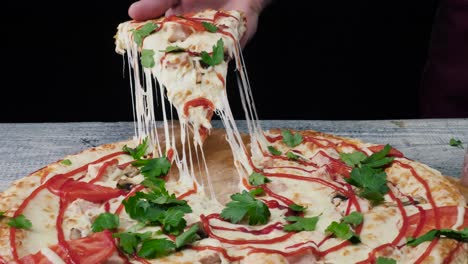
[(25, 148)]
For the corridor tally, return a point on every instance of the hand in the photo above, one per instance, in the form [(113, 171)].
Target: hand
[(147, 9)]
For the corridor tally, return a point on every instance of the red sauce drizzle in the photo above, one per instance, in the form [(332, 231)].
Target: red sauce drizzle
[(264, 231), (103, 169), (188, 193), (451, 255), (217, 249), (206, 225)]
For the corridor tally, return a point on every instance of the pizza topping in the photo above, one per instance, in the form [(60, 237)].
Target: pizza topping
[(435, 233), (137, 152), (297, 208), (147, 58), (173, 49), (217, 56), (274, 151), (256, 179), (290, 139), (153, 167), (20, 222), (187, 237), (210, 27), (129, 242), (75, 233), (382, 260), (369, 174), (66, 162), (301, 223), (456, 143), (353, 159), (245, 207), (144, 31), (105, 221), (257, 192), (354, 218), (343, 231), (290, 155), (155, 248)]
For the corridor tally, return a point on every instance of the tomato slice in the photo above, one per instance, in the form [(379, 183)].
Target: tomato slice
[(422, 222), (393, 151), (72, 190), (96, 248), (37, 258)]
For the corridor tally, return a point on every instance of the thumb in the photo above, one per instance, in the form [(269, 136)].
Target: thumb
[(148, 9)]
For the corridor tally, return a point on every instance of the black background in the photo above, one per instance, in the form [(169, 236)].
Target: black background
[(308, 60)]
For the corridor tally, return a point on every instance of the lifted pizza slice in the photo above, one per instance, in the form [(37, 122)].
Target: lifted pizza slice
[(188, 55)]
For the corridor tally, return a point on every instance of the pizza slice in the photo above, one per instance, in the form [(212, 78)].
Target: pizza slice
[(188, 56)]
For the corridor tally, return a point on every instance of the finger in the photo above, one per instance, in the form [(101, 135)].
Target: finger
[(147, 9)]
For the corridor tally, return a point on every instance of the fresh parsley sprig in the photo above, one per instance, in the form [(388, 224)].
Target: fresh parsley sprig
[(137, 152), (301, 223), (343, 231), (105, 221), (368, 173), (382, 260), (153, 167), (143, 32), (274, 151), (290, 139), (431, 235), (20, 222), (210, 26), (217, 55), (244, 206), (256, 179)]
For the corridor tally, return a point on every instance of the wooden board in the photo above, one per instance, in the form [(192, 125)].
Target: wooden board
[(25, 148)]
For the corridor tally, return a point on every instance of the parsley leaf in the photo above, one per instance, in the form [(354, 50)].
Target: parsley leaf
[(187, 237), (1, 214), (147, 58), (449, 233), (144, 31), (354, 218), (373, 183), (105, 221), (343, 231), (379, 159), (353, 159), (173, 221), (155, 184), (217, 56), (173, 49), (153, 167), (137, 152), (66, 162), (210, 27), (301, 223), (290, 155), (257, 179), (155, 248), (297, 208), (257, 191), (20, 222), (129, 241), (290, 139), (245, 206), (382, 260), (274, 151), (455, 143)]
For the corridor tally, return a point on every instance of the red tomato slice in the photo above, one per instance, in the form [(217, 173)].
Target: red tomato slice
[(447, 218), (393, 151), (89, 192), (96, 248), (72, 190), (37, 258)]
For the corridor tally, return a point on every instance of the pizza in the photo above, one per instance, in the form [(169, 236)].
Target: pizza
[(269, 196), (101, 206), (188, 56)]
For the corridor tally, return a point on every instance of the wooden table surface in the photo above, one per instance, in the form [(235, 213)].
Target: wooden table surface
[(25, 148)]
